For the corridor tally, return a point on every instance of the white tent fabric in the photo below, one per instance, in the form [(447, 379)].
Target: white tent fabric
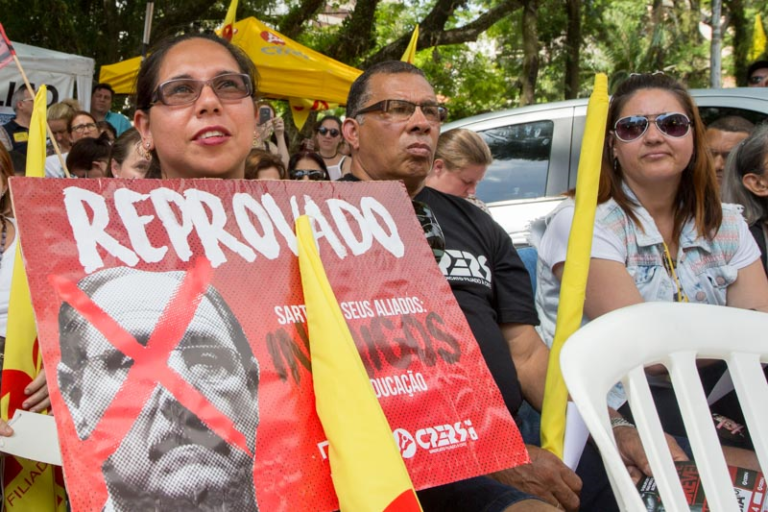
[(60, 72)]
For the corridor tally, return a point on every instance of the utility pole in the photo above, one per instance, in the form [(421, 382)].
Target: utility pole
[(716, 45)]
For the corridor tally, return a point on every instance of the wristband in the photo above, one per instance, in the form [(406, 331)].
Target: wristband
[(621, 422)]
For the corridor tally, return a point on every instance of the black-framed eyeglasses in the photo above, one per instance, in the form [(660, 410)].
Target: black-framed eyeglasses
[(402, 110), (183, 91), (325, 131), (432, 229), (313, 174), (673, 124), (83, 127)]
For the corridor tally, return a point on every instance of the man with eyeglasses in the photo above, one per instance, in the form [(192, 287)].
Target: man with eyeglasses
[(168, 457), (101, 103), (16, 131), (757, 74), (392, 125)]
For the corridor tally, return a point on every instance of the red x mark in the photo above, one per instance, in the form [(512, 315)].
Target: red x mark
[(149, 363)]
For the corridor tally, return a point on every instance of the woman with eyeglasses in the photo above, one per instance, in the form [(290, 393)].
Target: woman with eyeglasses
[(328, 141), (81, 126), (661, 233), (196, 112), (307, 166)]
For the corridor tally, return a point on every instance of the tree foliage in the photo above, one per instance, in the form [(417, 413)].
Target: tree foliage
[(480, 54)]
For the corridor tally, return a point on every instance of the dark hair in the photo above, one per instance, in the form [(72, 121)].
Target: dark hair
[(122, 147), (106, 126), (259, 159), (359, 94), (6, 171), (735, 124), (311, 155), (103, 86), (88, 150), (749, 156), (146, 81), (758, 64), (320, 122), (697, 195), (79, 113)]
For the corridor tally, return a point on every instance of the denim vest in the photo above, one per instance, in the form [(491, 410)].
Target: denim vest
[(702, 265)]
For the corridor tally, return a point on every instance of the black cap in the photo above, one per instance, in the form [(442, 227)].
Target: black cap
[(758, 64)]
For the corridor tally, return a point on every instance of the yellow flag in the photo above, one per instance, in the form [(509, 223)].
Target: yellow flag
[(368, 473), (576, 271), (28, 485), (227, 30), (410, 53), (759, 40)]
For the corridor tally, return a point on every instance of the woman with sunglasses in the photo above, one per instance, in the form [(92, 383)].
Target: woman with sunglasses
[(196, 113), (307, 166), (661, 233), (328, 140)]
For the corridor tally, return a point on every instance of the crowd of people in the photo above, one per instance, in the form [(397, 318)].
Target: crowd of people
[(662, 232)]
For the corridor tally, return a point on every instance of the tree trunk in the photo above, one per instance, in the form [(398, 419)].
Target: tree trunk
[(530, 52), (572, 49), (741, 40)]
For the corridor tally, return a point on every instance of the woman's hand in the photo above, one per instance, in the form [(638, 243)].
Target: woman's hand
[(38, 398)]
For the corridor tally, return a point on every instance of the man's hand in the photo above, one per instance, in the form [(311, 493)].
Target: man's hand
[(37, 395), (546, 477), (633, 455)]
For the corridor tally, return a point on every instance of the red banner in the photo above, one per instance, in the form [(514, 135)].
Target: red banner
[(171, 320)]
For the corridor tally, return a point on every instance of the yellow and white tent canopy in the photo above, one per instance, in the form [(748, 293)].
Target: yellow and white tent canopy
[(287, 69)]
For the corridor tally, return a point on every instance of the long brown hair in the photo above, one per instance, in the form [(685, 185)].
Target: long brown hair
[(6, 171), (697, 195)]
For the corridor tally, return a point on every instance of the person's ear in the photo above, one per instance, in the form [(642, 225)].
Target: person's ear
[(141, 123), (439, 167), (100, 165), (756, 184), (351, 131), (116, 168)]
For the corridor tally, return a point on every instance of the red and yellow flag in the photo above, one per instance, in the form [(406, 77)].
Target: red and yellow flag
[(29, 485), (410, 53), (576, 270), (368, 473), (228, 29)]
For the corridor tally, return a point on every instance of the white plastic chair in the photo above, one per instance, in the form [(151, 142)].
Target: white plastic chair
[(617, 346)]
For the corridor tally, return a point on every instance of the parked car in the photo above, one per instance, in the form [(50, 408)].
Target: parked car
[(536, 150)]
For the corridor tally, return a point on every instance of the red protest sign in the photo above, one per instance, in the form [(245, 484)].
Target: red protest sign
[(171, 320)]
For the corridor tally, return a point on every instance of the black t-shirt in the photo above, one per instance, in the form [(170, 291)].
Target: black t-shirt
[(487, 278), (18, 135)]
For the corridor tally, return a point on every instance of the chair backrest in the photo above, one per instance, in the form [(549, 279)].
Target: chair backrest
[(617, 346)]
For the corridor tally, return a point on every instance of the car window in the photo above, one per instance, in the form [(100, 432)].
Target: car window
[(521, 155), (709, 114)]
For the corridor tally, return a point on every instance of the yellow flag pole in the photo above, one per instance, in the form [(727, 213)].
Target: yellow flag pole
[(576, 271), (368, 472)]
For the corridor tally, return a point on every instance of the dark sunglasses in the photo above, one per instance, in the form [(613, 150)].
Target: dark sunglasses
[(313, 174), (631, 128), (432, 230), (325, 131)]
